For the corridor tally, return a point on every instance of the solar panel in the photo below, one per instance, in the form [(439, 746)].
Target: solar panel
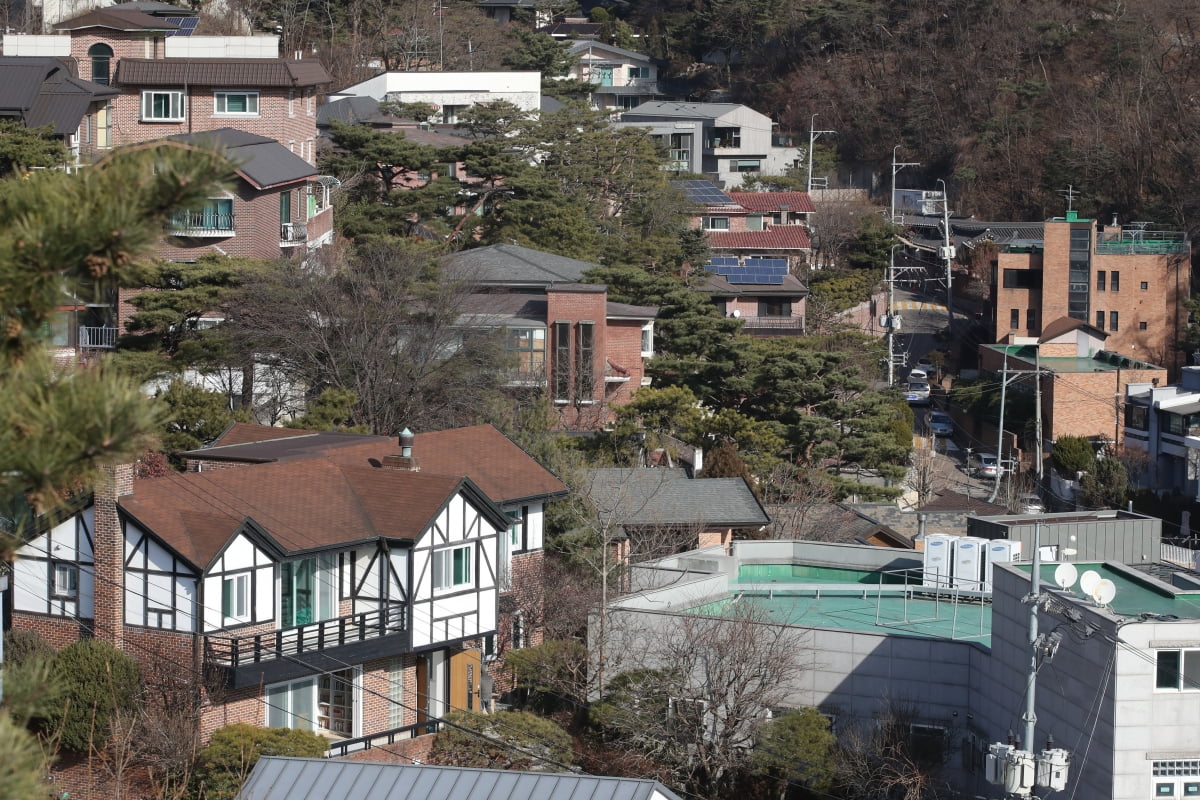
[(766, 262), (703, 192), (187, 25), (768, 280), (723, 260)]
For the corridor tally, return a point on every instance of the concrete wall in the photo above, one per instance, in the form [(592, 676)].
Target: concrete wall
[(1116, 536)]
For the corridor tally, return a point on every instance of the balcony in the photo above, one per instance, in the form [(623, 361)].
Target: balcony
[(291, 233), (102, 338), (773, 326), (635, 86), (534, 377), (319, 646), (1134, 242), (344, 747), (203, 224)]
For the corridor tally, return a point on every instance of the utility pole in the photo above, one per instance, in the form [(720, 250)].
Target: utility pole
[(947, 253), (1037, 408), (812, 140), (1000, 432), (896, 167), (893, 319)]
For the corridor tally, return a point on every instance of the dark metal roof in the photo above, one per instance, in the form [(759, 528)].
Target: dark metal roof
[(242, 73), (791, 287), (350, 110), (114, 18), (40, 91), (154, 8), (276, 778), (927, 232), (263, 162), (513, 265), (668, 497)]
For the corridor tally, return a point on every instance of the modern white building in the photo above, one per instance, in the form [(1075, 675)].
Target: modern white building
[(622, 79), (1164, 423), (719, 140), (451, 92)]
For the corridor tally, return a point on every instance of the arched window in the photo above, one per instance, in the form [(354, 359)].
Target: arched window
[(100, 54)]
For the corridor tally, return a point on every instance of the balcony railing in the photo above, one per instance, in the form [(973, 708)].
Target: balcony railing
[(774, 323), (258, 648), (345, 747), (1132, 242), (293, 232), (91, 338), (202, 223), (535, 376)]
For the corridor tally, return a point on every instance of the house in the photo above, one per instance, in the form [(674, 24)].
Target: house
[(1115, 686), (1128, 281), (277, 778), (450, 92), (658, 511), (40, 90), (1163, 424), (721, 141), (622, 79), (1081, 383), (587, 352), (324, 574), (506, 11)]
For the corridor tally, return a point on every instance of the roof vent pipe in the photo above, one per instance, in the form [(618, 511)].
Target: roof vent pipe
[(406, 443)]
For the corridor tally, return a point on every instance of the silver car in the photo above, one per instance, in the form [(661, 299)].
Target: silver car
[(918, 393), (940, 424)]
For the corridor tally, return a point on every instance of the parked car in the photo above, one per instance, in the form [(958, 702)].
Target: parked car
[(985, 465), (1030, 503), (917, 374), (918, 393), (926, 366), (940, 424)]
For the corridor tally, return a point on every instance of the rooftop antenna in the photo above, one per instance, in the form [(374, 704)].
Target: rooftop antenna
[(1070, 194)]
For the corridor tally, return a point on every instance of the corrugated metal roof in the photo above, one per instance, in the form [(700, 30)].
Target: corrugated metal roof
[(262, 161), (276, 778), (245, 73)]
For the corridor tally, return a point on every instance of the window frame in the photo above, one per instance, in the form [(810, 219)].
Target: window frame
[(173, 96), (444, 572), (1180, 670), (69, 571), (234, 587), (715, 223), (585, 366), (1114, 319), (225, 94), (1100, 280), (1014, 319), (648, 340), (1114, 281)]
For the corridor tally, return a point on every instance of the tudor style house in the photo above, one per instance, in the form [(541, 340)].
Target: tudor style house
[(332, 582)]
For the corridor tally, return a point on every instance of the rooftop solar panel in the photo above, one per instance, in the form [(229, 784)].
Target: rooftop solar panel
[(703, 192), (754, 280), (187, 25), (767, 262)]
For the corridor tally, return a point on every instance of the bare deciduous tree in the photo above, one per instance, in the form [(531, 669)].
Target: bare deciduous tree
[(928, 474)]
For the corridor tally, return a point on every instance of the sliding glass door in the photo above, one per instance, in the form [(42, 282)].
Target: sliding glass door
[(308, 590)]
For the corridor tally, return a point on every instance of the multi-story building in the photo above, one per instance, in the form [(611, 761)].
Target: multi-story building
[(621, 79), (449, 93), (722, 141), (331, 582), (40, 91), (1163, 422), (1128, 281)]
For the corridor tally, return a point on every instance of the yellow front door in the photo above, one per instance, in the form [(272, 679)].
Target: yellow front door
[(466, 667)]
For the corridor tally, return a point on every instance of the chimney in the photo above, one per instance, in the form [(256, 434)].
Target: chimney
[(108, 547), (405, 461)]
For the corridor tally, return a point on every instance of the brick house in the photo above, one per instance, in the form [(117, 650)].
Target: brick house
[(587, 352), (1129, 282), (1081, 382), (331, 582), (40, 90)]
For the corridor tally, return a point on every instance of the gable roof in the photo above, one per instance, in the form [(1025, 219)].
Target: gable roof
[(117, 19), (671, 108), (495, 463), (38, 90), (720, 285), (278, 778), (658, 497), (586, 46), (242, 73), (780, 237), (261, 161), (796, 202), (1064, 325), (514, 265), (302, 506)]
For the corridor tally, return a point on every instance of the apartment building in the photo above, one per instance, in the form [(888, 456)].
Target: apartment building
[(1163, 423)]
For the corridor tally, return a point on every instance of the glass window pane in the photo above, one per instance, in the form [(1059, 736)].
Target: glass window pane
[(1167, 672), (302, 705), (277, 707), (1191, 670)]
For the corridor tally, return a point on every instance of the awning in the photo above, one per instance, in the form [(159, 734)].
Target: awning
[(327, 181)]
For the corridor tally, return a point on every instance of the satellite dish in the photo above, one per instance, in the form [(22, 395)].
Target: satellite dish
[(1066, 575), (1088, 581), (1104, 592)]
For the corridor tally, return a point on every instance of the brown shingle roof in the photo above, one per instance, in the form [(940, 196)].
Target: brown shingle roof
[(1064, 324), (495, 463), (302, 505), (796, 202), (244, 432), (783, 237), (120, 19), (241, 73)]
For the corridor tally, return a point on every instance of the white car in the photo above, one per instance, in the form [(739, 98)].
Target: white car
[(1031, 503), (918, 393), (917, 374), (926, 366)]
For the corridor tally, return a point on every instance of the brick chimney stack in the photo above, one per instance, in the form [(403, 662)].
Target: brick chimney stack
[(406, 460), (108, 546)]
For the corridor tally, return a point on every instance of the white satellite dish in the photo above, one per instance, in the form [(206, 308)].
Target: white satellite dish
[(1104, 592), (1066, 575), (1088, 581)]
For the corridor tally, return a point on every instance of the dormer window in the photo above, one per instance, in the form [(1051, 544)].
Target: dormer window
[(101, 56)]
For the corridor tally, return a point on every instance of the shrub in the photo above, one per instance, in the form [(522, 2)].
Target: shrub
[(223, 766), (24, 646), (96, 679), (505, 740), (1073, 454)]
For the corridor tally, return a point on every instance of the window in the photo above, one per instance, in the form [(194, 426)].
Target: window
[(101, 56), (1113, 318), (396, 693), (561, 368), (516, 531), (754, 222), (242, 104), (1031, 319), (1145, 285), (307, 590), (517, 634), (1100, 281), (1114, 281), (1137, 417), (585, 381), (774, 308), (452, 567), (746, 166), (628, 102), (928, 743), (235, 599), (310, 99), (1178, 670), (66, 580), (639, 72), (321, 703), (725, 137), (450, 114), (1014, 318), (215, 215), (291, 102), (716, 223), (162, 106), (648, 340), (1141, 326), (530, 346), (1100, 320), (1022, 278), (1164, 790)]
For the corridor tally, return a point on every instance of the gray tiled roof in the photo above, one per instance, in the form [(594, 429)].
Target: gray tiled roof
[(244, 73), (120, 19), (644, 497), (513, 265), (264, 162), (276, 778), (39, 91)]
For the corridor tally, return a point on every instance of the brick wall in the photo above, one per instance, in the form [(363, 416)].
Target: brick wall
[(58, 631), (256, 226), (1086, 403), (625, 350), (576, 303), (109, 553)]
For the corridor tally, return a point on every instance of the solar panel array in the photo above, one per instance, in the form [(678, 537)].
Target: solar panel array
[(763, 271), (187, 25), (704, 192)]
